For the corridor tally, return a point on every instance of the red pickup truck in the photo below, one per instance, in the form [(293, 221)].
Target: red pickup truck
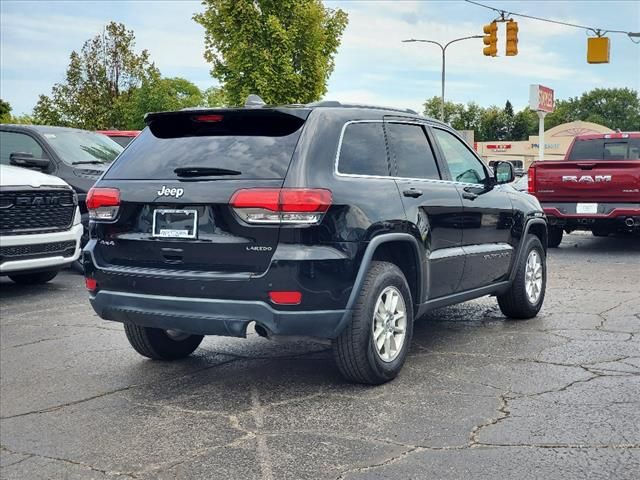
[(596, 187)]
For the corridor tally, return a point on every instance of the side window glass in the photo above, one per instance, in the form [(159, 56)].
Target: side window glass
[(363, 150), (410, 148), (463, 164), (13, 142)]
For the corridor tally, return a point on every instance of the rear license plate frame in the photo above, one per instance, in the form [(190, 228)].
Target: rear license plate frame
[(587, 208), (168, 233)]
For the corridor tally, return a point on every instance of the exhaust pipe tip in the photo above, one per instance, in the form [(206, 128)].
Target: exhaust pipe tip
[(629, 222), (260, 330)]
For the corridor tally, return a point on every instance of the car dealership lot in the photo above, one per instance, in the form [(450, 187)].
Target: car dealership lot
[(479, 397)]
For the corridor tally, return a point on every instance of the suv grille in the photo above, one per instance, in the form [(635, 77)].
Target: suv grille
[(40, 250), (34, 211)]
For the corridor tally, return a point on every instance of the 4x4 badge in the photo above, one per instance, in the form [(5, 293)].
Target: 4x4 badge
[(170, 192)]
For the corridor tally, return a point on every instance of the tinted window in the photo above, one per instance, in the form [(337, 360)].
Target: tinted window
[(605, 149), (411, 150), (363, 150), (13, 142), (122, 141), (255, 144), (463, 165), (77, 147)]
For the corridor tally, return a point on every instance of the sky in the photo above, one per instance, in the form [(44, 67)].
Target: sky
[(372, 65)]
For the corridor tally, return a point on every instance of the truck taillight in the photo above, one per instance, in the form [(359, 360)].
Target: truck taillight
[(531, 180), (103, 203), (281, 205)]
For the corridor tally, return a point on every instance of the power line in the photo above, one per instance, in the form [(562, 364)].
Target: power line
[(595, 30)]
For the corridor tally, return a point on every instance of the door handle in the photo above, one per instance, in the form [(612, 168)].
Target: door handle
[(469, 195), (412, 192)]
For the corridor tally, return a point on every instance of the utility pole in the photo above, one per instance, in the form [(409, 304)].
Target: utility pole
[(443, 48)]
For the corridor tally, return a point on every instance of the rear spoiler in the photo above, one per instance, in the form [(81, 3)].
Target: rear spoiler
[(272, 122)]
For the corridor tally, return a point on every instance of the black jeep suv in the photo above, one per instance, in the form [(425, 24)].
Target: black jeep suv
[(329, 221)]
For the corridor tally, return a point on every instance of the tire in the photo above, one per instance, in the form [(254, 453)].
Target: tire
[(515, 302), (355, 352), (37, 278), (157, 344), (555, 237)]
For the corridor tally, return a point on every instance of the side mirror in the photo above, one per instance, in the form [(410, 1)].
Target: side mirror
[(503, 172), (27, 160)]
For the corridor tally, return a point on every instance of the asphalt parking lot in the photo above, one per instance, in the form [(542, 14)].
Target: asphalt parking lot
[(479, 397)]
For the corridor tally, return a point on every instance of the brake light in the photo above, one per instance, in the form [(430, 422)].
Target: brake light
[(531, 180), (281, 205), (286, 298), (103, 203), (208, 118), (616, 135)]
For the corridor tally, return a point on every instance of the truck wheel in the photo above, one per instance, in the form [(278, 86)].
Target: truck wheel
[(34, 278), (525, 296), (374, 346), (554, 237), (160, 344)]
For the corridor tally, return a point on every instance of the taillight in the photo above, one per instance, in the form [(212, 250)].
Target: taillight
[(531, 180), (103, 203), (208, 118), (281, 205)]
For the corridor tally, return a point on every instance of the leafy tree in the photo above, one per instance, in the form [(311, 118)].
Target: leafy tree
[(214, 97), (5, 111), (99, 81), (525, 123), (158, 94), (281, 50), (611, 107)]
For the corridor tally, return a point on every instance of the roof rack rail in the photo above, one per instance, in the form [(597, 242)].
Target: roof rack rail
[(335, 103)]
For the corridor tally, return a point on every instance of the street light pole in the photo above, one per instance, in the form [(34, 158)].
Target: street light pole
[(443, 48)]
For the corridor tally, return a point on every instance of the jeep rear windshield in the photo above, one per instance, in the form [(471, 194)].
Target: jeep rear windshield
[(242, 144), (605, 149)]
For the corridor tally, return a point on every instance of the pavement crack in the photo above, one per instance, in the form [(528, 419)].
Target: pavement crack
[(386, 462), (503, 412), (71, 462)]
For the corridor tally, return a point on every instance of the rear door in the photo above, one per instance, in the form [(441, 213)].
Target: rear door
[(176, 181), (432, 206)]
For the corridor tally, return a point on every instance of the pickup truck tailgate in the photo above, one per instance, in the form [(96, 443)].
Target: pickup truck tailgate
[(586, 181)]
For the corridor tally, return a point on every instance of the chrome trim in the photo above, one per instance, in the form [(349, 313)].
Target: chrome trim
[(337, 172)]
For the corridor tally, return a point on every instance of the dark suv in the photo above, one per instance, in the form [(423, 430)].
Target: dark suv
[(328, 221)]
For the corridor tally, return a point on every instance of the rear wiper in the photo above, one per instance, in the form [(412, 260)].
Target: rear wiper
[(88, 162), (204, 171)]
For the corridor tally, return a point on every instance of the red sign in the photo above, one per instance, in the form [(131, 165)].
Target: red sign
[(541, 98), (502, 146)]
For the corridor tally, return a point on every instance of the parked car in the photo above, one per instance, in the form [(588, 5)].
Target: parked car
[(121, 137), (522, 183), (595, 188), (40, 225), (77, 156), (328, 221)]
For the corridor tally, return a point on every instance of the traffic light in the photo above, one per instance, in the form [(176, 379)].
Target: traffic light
[(490, 39), (512, 38), (598, 50)]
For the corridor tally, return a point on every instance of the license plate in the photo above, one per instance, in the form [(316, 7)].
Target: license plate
[(587, 208), (169, 223)]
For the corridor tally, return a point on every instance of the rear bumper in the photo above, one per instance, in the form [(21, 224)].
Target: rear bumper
[(207, 316), (609, 215)]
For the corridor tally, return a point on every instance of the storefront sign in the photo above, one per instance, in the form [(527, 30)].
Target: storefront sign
[(541, 98)]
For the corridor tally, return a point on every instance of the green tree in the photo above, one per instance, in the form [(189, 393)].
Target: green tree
[(99, 81), (432, 109), (281, 50), (525, 123), (214, 97), (5, 111), (158, 94), (611, 107)]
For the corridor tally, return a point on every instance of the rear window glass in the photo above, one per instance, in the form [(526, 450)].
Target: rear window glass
[(606, 149), (411, 151), (240, 145), (363, 150)]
